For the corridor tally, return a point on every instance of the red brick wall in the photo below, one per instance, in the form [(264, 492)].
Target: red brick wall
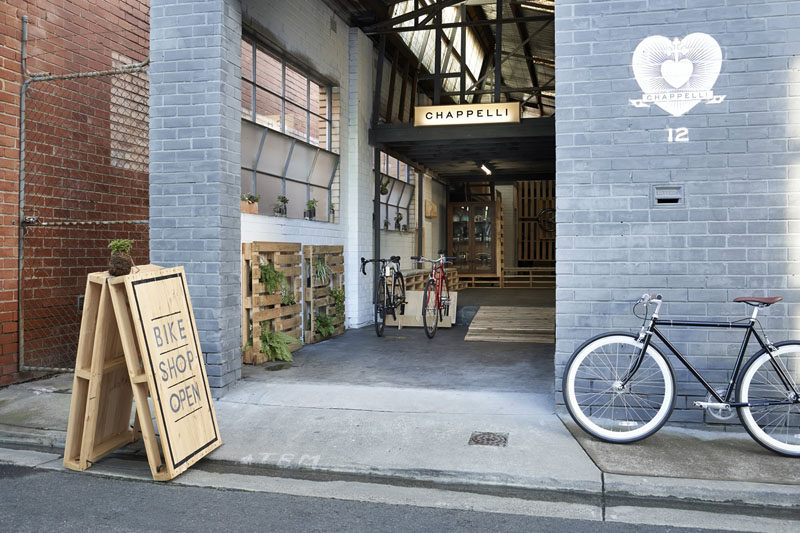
[(76, 173)]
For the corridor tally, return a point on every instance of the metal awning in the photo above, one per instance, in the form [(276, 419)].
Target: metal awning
[(513, 152)]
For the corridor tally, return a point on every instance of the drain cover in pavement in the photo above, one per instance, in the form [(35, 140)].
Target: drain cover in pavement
[(488, 439)]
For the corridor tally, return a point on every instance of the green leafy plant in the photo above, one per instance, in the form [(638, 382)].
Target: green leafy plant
[(282, 199), (311, 204), (275, 344), (324, 325), (338, 301), (398, 216), (322, 270), (121, 246), (271, 278), (288, 293), (385, 187), (250, 198)]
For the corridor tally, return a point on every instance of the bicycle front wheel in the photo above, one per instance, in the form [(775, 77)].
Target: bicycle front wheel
[(602, 404), (430, 309), (773, 416), (399, 292), (380, 307)]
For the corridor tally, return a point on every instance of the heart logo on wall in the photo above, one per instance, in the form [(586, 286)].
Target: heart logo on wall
[(677, 74)]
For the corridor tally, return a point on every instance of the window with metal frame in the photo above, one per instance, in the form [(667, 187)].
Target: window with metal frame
[(288, 145), (397, 193)]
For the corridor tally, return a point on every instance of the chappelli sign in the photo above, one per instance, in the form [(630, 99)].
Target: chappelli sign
[(455, 115), (677, 74)]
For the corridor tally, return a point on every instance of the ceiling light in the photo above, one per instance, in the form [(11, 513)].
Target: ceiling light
[(486, 169)]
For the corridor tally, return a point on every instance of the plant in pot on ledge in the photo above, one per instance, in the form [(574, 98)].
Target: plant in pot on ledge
[(311, 209), (398, 217), (250, 203), (121, 262), (280, 208)]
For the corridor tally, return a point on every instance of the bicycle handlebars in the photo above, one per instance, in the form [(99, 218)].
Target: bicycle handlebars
[(393, 259)]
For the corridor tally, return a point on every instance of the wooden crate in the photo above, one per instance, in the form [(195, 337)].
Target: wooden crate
[(261, 310), (317, 293)]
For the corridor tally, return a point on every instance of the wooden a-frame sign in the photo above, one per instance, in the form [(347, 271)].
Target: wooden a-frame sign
[(138, 340)]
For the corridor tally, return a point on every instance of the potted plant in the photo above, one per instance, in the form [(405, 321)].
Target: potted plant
[(311, 209), (280, 208), (386, 224), (384, 187), (333, 213), (121, 262), (397, 218), (250, 203), (405, 227)]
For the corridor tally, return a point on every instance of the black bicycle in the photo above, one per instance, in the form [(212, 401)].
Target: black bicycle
[(620, 388), (390, 292)]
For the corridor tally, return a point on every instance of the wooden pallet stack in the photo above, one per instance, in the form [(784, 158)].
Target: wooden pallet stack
[(261, 310), (415, 280), (317, 294)]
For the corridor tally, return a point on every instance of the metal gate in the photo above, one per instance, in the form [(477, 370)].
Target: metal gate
[(83, 182)]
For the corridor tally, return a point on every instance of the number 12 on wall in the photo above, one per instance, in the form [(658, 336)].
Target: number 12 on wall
[(678, 135)]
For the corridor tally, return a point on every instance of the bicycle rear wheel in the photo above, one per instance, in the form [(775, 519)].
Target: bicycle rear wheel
[(430, 309), (604, 407), (776, 426), (380, 307), (399, 292)]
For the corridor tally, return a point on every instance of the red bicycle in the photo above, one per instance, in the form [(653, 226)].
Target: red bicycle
[(434, 304)]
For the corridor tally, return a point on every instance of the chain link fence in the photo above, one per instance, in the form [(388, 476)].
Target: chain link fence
[(84, 182)]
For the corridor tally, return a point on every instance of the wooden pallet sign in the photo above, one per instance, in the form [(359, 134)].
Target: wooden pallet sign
[(138, 340)]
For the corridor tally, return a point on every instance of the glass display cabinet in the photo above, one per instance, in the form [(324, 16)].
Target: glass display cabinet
[(471, 233)]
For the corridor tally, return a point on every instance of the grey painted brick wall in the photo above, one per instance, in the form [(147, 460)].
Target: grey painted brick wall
[(737, 231), (195, 130)]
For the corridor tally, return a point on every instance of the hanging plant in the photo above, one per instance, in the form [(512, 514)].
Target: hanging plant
[(385, 187), (288, 294), (338, 300), (271, 278), (322, 270), (275, 344), (324, 325)]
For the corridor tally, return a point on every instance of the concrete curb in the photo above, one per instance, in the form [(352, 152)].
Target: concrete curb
[(648, 491)]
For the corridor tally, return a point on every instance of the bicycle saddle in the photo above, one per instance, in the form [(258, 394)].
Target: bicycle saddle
[(761, 302), (395, 259)]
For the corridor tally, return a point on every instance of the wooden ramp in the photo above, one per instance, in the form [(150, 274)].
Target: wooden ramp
[(513, 324)]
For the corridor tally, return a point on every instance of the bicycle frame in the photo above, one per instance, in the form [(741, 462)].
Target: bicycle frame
[(438, 274), (648, 331)]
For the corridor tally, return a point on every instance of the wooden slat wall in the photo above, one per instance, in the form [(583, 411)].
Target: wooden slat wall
[(533, 244)]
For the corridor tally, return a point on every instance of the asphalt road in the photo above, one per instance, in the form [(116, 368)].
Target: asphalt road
[(45, 500)]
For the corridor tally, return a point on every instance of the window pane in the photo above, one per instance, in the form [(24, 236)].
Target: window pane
[(268, 188), (296, 88), (395, 192), (406, 197), (301, 161), (274, 154), (318, 136), (323, 169), (247, 60), (296, 193), (268, 109), (296, 121), (268, 71), (321, 196), (247, 100), (317, 101), (247, 181), (251, 140)]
